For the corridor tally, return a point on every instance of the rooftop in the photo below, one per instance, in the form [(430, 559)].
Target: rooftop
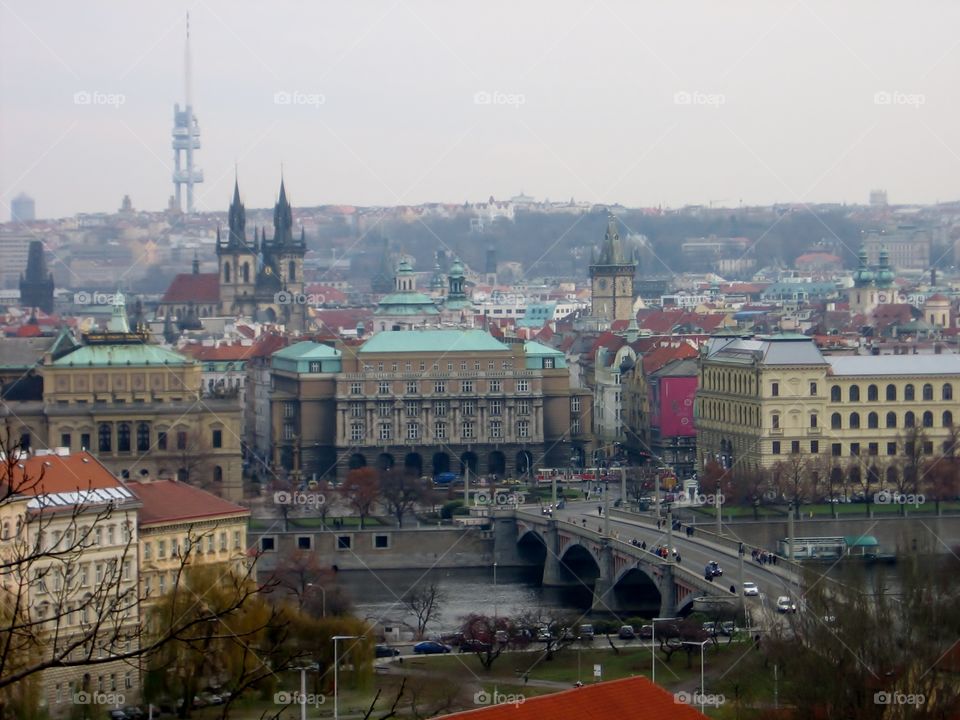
[(307, 350), (399, 341), (767, 350), (122, 354), (193, 287), (169, 500), (894, 364)]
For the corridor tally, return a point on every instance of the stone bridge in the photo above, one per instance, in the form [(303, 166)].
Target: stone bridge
[(620, 574)]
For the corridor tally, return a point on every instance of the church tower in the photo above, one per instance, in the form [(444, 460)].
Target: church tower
[(611, 280), (237, 261), (286, 249)]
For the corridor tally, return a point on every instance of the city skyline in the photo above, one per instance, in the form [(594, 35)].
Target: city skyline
[(807, 103)]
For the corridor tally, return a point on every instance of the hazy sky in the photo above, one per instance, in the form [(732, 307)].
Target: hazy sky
[(405, 102)]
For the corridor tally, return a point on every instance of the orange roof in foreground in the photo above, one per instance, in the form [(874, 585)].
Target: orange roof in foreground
[(633, 698), (169, 500), (49, 474)]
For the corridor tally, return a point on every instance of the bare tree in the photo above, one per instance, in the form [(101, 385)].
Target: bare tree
[(360, 490), (792, 478), (400, 492), (487, 636), (424, 601)]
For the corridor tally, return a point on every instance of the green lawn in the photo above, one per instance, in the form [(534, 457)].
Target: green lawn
[(822, 510)]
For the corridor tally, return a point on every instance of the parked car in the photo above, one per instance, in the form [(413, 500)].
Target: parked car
[(543, 633), (430, 647), (474, 645), (750, 588), (626, 632), (133, 712), (728, 628), (502, 637), (646, 632), (586, 632), (711, 628), (385, 651), (785, 604)]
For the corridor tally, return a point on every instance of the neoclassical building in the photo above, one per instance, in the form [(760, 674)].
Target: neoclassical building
[(427, 402), (762, 400)]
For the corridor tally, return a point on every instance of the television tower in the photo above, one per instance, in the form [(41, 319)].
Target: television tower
[(186, 138)]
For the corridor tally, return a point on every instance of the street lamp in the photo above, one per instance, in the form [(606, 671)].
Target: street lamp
[(336, 669), (653, 646), (702, 689), (303, 688), (323, 598), (495, 593)]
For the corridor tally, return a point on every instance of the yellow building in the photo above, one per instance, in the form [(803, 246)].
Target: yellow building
[(764, 400), (180, 526)]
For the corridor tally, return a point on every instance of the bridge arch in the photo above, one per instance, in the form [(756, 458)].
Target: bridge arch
[(578, 565), (636, 590)]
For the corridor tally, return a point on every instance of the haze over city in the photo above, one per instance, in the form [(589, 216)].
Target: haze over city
[(383, 103)]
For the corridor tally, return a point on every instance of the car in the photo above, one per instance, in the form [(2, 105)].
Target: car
[(646, 632), (133, 712), (750, 588), (430, 647), (711, 628), (785, 604), (385, 651), (715, 568), (543, 633), (626, 632), (728, 628), (474, 645), (586, 632), (502, 637)]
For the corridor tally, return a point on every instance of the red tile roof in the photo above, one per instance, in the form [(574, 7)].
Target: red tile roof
[(169, 500), (656, 359), (226, 351), (633, 698), (48, 474), (196, 287)]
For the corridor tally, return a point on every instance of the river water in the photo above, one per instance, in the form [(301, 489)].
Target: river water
[(376, 595)]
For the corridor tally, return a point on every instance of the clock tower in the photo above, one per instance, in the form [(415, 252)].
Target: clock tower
[(611, 280)]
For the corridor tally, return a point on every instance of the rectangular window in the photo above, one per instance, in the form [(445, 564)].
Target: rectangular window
[(505, 365), (548, 364), (161, 440), (440, 431), (85, 442), (182, 440), (413, 431), (65, 440), (412, 387), (775, 389), (854, 448), (383, 387), (384, 409), (289, 409), (814, 446), (210, 543), (381, 542), (468, 407), (928, 447), (356, 431), (775, 419), (356, 388), (223, 541), (288, 431), (236, 540), (466, 386), (496, 429), (466, 431), (496, 385), (268, 544), (813, 421), (836, 449), (304, 542), (386, 432), (315, 366), (813, 389), (523, 428), (161, 549), (891, 448), (344, 542), (162, 583), (356, 410), (523, 407), (440, 408), (775, 447), (873, 448), (218, 438), (795, 447), (463, 364), (126, 569), (495, 407), (523, 386), (440, 386), (575, 404), (412, 409)]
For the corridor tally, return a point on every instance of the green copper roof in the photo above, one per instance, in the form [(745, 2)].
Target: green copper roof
[(407, 303), (432, 341), (536, 353), (122, 354), (307, 357), (307, 351)]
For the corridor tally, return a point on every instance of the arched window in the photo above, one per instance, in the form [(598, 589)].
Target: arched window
[(835, 393), (854, 393), (928, 419), (835, 421), (908, 393), (947, 418), (891, 419), (226, 273), (106, 438), (292, 271), (873, 420), (246, 272), (928, 391), (143, 437), (872, 393), (217, 474), (909, 420), (854, 420), (891, 392), (123, 437), (947, 392)]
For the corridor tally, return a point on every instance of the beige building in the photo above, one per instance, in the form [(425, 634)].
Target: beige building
[(137, 407), (89, 561), (762, 400), (429, 401)]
